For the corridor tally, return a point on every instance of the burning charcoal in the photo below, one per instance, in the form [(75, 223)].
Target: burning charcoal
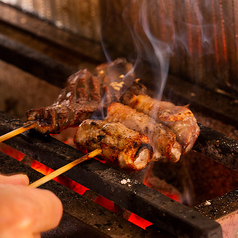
[(163, 140), (120, 146), (179, 119)]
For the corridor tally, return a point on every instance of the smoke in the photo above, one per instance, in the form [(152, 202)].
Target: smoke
[(182, 37), (162, 29)]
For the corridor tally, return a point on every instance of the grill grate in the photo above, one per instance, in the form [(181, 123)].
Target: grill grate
[(155, 207)]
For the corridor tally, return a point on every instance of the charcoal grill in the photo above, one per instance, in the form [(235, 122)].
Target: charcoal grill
[(169, 218)]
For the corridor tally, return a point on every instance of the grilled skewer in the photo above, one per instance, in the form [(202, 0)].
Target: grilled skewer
[(85, 94), (120, 146), (78, 100), (178, 118), (162, 139)]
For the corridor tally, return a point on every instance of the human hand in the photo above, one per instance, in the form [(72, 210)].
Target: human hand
[(26, 211)]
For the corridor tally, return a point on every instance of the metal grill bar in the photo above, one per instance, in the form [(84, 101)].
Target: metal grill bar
[(217, 146)]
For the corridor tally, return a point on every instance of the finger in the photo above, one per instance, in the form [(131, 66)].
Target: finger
[(16, 233), (49, 210), (19, 234), (16, 179), (28, 209)]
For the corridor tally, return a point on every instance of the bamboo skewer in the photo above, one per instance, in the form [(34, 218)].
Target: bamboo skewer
[(26, 127), (65, 168), (31, 124)]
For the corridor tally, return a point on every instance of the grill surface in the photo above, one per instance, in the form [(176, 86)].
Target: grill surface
[(138, 198)]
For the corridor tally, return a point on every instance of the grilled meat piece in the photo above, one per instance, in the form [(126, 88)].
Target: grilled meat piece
[(76, 103), (163, 140), (178, 118), (117, 82), (120, 146)]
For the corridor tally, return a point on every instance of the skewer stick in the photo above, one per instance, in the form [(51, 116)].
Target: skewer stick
[(65, 168), (18, 131)]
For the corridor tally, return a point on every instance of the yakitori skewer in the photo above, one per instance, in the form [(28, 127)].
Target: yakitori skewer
[(27, 126), (64, 168)]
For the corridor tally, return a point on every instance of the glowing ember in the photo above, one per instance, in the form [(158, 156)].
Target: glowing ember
[(139, 221), (41, 168), (160, 185), (8, 150), (104, 202), (133, 218)]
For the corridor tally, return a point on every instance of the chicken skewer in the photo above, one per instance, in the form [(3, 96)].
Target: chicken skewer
[(162, 139), (178, 118), (120, 146), (84, 94), (116, 143), (77, 102)]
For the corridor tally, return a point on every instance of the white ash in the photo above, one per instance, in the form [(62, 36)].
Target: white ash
[(207, 203), (125, 181)]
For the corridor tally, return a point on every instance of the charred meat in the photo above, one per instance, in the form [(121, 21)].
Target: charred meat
[(178, 118), (120, 146), (76, 103), (86, 94), (117, 81), (162, 139)]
